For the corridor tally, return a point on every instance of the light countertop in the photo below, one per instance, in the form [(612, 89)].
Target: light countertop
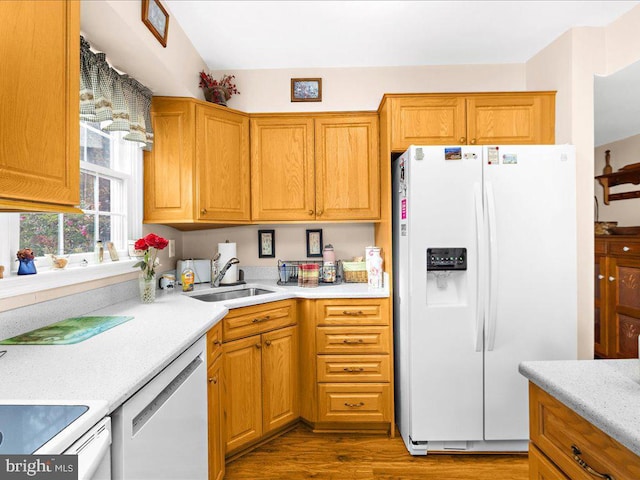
[(604, 392), (113, 365)]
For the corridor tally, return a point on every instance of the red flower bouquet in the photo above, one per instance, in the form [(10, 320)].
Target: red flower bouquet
[(150, 244)]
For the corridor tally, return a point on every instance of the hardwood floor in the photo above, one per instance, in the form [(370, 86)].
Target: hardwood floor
[(300, 454)]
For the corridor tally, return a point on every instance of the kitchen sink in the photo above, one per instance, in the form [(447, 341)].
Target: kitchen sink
[(229, 295)]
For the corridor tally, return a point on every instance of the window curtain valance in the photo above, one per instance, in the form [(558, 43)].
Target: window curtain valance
[(117, 102)]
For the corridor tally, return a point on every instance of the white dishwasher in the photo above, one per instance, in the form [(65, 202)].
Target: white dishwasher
[(161, 431)]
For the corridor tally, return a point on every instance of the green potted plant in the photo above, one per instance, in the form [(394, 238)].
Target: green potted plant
[(218, 91)]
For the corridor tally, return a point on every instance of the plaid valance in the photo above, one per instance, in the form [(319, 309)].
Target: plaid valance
[(117, 102)]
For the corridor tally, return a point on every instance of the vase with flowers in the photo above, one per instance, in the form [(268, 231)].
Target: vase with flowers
[(150, 245), (218, 91), (26, 265)]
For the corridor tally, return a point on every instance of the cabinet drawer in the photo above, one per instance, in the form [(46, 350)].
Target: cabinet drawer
[(347, 402), (248, 321), (351, 368), (558, 431), (540, 468), (352, 340), (214, 343), (624, 248), (352, 312)]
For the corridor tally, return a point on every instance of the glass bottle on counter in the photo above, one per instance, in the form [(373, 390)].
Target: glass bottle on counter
[(187, 276)]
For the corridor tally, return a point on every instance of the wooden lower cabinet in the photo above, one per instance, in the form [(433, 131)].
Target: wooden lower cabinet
[(261, 374), (216, 421), (617, 297), (564, 444)]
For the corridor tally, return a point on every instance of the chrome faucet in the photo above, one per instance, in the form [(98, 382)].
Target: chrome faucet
[(216, 275)]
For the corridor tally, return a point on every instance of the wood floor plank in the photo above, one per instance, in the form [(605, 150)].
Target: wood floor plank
[(301, 454)]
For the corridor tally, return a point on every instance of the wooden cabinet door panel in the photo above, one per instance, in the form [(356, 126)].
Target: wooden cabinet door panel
[(601, 324), (242, 391), (39, 107), (168, 168), (540, 468), (279, 378), (624, 304), (216, 421), (282, 169), (222, 165), (427, 120), (514, 119), (347, 168)]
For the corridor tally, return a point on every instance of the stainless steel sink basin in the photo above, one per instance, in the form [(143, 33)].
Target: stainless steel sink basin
[(229, 295)]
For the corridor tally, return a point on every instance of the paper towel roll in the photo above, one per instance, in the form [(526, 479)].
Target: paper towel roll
[(227, 251)]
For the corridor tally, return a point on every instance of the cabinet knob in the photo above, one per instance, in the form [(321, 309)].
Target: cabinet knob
[(463, 140), (585, 466), (258, 345), (625, 249), (213, 380), (310, 212), (319, 213), (217, 342), (600, 277), (268, 343), (203, 211), (473, 141), (611, 279)]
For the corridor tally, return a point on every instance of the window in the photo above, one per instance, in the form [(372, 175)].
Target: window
[(109, 198)]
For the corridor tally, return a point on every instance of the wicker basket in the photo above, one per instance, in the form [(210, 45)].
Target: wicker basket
[(355, 272)]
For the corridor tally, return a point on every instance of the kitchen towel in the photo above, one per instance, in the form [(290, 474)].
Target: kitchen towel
[(227, 251)]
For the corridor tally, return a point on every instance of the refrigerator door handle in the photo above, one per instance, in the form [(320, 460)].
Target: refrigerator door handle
[(481, 284), (493, 268)]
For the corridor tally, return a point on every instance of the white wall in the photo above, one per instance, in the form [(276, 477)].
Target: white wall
[(623, 152), (362, 88)]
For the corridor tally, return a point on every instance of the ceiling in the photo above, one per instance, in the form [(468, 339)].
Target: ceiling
[(302, 34)]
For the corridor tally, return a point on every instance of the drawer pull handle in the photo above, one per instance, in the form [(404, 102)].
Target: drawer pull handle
[(353, 370), (213, 380), (260, 319), (354, 405), (349, 342), (576, 456), (355, 314), (625, 249)]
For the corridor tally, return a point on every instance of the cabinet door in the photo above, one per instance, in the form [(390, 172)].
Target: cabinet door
[(168, 168), (222, 165), (39, 108), (541, 468), (282, 169), (624, 304), (216, 421), (347, 168), (601, 332), (515, 119), (427, 120), (279, 378), (242, 391)]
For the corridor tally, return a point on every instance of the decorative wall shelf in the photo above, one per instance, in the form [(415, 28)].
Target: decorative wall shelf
[(627, 174)]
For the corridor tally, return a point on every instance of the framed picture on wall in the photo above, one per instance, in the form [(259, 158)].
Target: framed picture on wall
[(314, 243), (306, 89), (156, 18), (266, 243)]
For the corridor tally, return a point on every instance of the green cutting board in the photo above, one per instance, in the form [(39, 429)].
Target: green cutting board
[(68, 331)]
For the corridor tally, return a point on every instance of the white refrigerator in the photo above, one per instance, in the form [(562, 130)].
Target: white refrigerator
[(484, 278)]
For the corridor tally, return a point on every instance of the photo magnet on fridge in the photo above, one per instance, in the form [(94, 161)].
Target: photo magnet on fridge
[(453, 153), (509, 159)]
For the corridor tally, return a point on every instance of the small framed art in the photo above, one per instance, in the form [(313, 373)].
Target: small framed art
[(156, 18), (314, 243), (266, 243), (306, 89)]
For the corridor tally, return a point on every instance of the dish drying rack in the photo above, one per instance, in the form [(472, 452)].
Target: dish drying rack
[(288, 271)]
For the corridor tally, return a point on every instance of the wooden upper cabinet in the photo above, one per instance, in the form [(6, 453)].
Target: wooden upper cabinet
[(39, 105), (511, 119), (427, 120), (282, 168), (516, 118), (347, 168), (198, 170), (321, 167), (222, 165)]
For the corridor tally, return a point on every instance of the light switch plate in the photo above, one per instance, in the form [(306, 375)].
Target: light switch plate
[(172, 248)]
